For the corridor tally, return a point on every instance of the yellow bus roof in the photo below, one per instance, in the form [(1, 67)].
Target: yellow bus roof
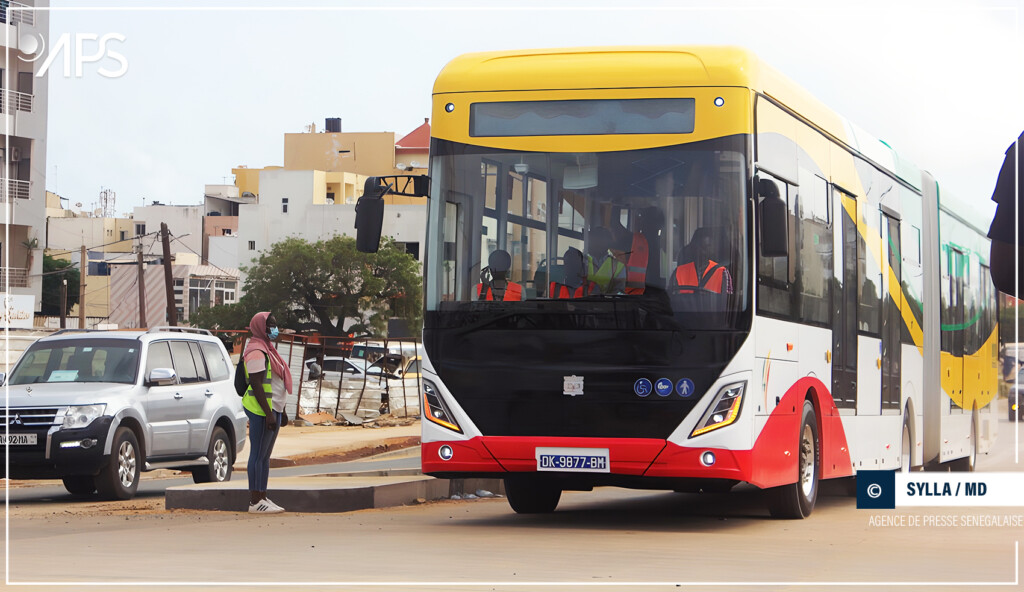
[(656, 67)]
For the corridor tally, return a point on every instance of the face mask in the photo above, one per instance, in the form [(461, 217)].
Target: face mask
[(273, 333)]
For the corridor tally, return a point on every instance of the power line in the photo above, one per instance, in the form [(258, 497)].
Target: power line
[(222, 270), (124, 240)]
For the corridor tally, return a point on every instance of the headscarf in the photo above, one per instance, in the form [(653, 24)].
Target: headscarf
[(260, 342)]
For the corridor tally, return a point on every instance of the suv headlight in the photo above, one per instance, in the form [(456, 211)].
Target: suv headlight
[(724, 409), (79, 416)]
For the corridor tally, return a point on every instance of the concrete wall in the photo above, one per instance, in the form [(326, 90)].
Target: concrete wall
[(363, 153), (184, 222)]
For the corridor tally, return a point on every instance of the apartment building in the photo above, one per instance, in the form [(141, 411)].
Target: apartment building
[(23, 100), (313, 195)]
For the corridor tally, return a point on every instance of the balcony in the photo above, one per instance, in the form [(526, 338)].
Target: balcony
[(13, 189), (17, 17), (17, 276), (12, 99)]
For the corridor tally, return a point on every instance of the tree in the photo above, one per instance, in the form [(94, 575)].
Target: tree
[(328, 287), (55, 271)]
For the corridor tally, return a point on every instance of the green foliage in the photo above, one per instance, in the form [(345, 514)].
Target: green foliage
[(324, 286), (50, 301)]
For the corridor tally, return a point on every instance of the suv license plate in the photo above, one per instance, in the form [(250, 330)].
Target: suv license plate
[(576, 460), (17, 439)]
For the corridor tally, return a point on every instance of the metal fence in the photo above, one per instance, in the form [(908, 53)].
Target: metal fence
[(357, 379)]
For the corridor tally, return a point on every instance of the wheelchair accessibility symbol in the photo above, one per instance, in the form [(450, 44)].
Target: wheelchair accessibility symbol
[(642, 387)]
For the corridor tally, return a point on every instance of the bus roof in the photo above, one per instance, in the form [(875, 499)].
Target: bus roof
[(659, 67)]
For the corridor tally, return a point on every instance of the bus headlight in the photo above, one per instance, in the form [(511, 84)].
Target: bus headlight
[(435, 410), (724, 409)]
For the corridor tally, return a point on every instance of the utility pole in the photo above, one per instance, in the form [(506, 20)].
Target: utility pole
[(142, 291), (63, 303), (172, 310), (81, 288)]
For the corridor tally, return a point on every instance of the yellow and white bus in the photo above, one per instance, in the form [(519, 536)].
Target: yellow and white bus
[(673, 268)]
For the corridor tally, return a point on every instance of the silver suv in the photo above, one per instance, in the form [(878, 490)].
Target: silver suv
[(95, 408)]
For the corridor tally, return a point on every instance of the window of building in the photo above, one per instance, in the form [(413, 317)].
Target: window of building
[(252, 245), (284, 205), (225, 232), (123, 233), (140, 229)]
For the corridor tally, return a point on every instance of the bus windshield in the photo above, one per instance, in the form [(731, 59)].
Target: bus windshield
[(665, 227)]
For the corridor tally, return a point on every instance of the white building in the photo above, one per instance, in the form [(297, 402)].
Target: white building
[(295, 203), (23, 100), (184, 222)]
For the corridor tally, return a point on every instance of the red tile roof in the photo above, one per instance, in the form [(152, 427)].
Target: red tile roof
[(418, 138)]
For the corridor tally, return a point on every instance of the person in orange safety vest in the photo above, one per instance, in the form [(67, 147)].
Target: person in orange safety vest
[(575, 276), (499, 288), (712, 276)]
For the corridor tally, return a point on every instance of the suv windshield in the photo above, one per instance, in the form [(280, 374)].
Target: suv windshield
[(79, 360)]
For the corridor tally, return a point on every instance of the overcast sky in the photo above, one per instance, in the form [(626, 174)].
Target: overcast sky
[(207, 90)]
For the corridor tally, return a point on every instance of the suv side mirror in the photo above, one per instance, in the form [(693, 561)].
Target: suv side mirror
[(3, 378), (162, 377), (771, 215)]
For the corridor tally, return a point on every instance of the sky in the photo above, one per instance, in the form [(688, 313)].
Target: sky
[(213, 85)]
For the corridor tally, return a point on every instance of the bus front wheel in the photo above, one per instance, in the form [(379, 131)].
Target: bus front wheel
[(796, 500), (531, 496)]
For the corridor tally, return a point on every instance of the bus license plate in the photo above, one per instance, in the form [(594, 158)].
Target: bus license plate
[(17, 439), (578, 460)]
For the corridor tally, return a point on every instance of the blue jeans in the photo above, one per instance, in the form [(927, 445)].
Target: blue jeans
[(261, 444)]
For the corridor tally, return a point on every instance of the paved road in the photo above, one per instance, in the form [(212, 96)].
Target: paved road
[(155, 488), (618, 539)]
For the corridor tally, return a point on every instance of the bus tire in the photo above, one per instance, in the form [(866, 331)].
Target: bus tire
[(796, 500), (906, 449), (968, 463), (531, 496)]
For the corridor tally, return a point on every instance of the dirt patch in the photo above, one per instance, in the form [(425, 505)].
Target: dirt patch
[(346, 454)]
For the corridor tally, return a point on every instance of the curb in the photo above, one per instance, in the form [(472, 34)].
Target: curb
[(334, 493)]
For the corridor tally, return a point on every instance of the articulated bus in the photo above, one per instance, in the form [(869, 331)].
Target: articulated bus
[(672, 268)]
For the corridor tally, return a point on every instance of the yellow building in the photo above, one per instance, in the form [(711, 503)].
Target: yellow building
[(347, 158)]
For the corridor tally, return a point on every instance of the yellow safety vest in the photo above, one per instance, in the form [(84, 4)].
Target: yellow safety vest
[(609, 275), (249, 399)]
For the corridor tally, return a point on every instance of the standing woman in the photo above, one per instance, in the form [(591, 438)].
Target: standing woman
[(269, 382)]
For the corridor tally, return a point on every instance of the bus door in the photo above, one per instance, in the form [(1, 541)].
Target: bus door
[(844, 304), (953, 330), (891, 319)]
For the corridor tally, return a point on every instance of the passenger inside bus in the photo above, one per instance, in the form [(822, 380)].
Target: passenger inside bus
[(603, 269), (701, 254), (494, 283), (644, 255), (574, 283)]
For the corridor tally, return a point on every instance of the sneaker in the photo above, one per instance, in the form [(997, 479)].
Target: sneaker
[(265, 506)]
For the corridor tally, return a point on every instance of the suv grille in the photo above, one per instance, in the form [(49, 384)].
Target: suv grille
[(16, 417)]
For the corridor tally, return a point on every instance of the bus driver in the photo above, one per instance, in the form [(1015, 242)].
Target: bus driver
[(713, 276)]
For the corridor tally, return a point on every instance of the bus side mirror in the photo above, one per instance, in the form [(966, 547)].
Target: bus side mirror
[(771, 215), (369, 217)]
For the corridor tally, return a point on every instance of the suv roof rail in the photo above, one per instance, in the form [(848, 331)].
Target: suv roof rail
[(63, 331), (180, 330)]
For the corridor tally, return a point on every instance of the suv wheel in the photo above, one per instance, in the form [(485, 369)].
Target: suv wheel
[(119, 478), (220, 456)]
